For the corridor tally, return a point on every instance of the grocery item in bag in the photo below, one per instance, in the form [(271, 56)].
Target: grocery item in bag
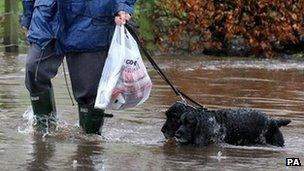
[(125, 82)]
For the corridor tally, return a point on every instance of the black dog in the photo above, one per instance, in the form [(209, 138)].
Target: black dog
[(233, 126)]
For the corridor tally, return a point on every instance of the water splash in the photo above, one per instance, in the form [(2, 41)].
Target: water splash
[(219, 155), (75, 164), (28, 119), (29, 122), (63, 131)]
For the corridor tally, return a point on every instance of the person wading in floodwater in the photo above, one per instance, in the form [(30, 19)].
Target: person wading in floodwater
[(80, 30)]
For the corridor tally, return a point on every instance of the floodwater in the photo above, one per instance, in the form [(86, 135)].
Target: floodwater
[(132, 140)]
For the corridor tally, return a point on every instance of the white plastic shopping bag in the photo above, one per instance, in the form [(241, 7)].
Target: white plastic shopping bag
[(125, 82)]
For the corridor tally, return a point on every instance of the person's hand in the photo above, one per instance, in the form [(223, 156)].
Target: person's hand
[(122, 18), (24, 30)]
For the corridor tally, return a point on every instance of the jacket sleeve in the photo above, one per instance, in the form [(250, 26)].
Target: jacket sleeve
[(124, 5), (28, 8)]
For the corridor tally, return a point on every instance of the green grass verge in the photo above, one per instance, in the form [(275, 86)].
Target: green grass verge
[(2, 6)]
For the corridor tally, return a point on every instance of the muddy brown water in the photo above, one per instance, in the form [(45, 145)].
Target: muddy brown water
[(132, 140)]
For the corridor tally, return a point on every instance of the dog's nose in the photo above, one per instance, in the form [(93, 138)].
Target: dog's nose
[(163, 130)]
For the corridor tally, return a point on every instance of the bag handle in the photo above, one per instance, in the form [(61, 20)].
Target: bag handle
[(122, 35)]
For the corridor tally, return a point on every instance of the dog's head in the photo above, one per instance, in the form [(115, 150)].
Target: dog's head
[(196, 128), (173, 118)]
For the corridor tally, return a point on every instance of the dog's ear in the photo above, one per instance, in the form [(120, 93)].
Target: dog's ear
[(198, 136)]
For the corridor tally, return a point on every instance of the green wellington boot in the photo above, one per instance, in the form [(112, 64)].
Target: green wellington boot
[(90, 119), (45, 117)]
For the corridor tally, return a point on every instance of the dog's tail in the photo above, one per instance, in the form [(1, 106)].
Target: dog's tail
[(282, 122)]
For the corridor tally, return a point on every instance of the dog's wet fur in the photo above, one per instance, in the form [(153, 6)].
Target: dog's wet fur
[(233, 126)]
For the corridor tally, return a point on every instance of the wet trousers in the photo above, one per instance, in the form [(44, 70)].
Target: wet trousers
[(85, 70)]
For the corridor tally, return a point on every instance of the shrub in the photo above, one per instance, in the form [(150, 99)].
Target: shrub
[(241, 27)]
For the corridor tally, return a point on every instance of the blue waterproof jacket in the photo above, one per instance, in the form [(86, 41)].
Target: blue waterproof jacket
[(75, 25)]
